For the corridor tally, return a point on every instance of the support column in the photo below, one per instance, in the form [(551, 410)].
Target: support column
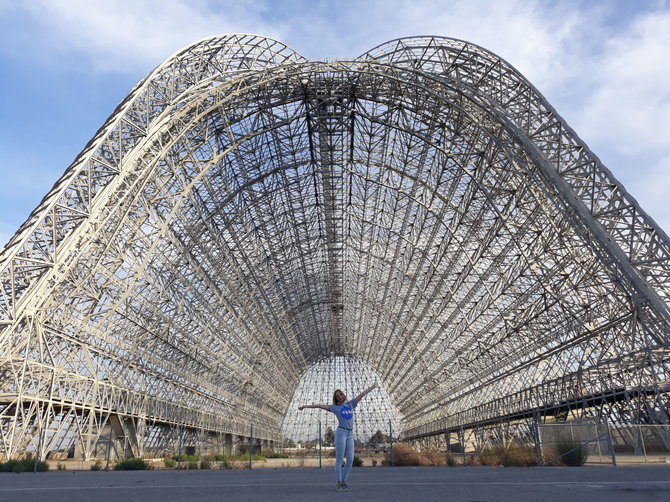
[(228, 444)]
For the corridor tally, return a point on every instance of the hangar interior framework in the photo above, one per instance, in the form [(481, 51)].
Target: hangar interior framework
[(250, 230)]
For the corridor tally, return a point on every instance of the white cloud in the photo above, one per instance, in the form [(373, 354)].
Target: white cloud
[(536, 37), (123, 36), (630, 107), (603, 67), (530, 36), (652, 191), (627, 109)]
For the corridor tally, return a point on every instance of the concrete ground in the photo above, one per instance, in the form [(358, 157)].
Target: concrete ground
[(416, 484)]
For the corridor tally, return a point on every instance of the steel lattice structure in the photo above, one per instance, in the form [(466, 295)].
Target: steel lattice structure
[(246, 214)]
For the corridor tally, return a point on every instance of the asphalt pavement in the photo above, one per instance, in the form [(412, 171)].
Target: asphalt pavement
[(375, 484)]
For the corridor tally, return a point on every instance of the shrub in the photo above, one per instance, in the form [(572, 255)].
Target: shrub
[(225, 461), (571, 452), (517, 455), (95, 467), (27, 464), (451, 460), (240, 457), (132, 464), (170, 463), (404, 454), (472, 460), (8, 466), (41, 466), (186, 458), (192, 465), (358, 461), (487, 456), (434, 457), (511, 455), (205, 464)]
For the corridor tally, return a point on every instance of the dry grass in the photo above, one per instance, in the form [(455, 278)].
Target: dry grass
[(405, 455), (516, 455), (511, 455), (435, 457)]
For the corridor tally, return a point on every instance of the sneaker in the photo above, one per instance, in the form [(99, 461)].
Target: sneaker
[(340, 487), (345, 487)]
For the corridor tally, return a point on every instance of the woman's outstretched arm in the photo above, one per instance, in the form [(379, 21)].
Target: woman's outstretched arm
[(365, 392), (322, 406)]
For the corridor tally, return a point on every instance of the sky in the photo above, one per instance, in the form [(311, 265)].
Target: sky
[(66, 64)]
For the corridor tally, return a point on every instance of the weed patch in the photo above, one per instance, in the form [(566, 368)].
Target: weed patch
[(571, 453), (28, 464), (405, 455), (132, 464)]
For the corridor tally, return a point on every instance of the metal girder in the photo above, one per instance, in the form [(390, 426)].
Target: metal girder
[(246, 217)]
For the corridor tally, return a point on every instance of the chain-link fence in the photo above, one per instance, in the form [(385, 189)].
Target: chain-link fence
[(604, 443), (592, 439), (642, 443)]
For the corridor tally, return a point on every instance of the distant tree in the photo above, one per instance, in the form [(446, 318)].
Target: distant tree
[(378, 438), (289, 443), (329, 437)]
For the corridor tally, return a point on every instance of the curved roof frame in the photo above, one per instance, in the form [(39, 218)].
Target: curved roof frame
[(153, 176)]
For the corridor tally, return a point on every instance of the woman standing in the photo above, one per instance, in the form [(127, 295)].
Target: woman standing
[(344, 434)]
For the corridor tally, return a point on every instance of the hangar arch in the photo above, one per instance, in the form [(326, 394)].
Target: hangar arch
[(246, 214)]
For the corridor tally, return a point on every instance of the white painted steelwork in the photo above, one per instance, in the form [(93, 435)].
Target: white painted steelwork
[(246, 214)]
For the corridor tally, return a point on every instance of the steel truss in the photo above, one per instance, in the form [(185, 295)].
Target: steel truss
[(246, 214)]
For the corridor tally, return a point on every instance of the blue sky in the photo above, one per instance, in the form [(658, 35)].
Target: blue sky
[(66, 64)]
